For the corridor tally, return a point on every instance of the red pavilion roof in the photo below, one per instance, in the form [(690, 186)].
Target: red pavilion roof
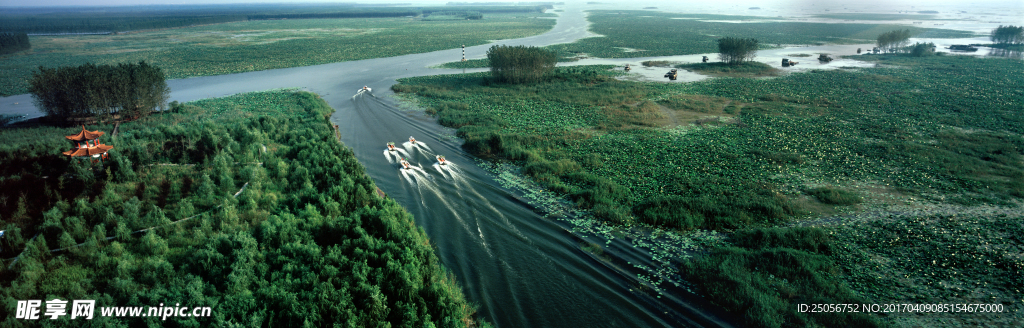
[(97, 150), (85, 135)]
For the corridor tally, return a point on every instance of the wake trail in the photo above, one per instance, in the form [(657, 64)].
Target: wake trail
[(429, 188)]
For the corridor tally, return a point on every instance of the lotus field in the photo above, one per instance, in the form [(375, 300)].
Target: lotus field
[(855, 151)]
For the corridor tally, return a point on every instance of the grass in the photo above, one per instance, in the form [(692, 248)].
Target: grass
[(745, 69), (773, 270), (261, 45), (834, 196), (469, 63), (665, 34), (733, 154)]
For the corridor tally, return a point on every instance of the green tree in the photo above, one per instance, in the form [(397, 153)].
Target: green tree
[(13, 42), (520, 64), (893, 41), (126, 91), (736, 50), (1008, 34)]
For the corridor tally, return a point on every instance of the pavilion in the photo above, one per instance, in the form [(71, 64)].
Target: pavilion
[(87, 144)]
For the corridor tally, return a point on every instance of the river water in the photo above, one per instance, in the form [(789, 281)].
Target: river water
[(523, 269)]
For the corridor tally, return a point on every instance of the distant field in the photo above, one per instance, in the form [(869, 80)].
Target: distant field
[(261, 45), (663, 34), (878, 17)]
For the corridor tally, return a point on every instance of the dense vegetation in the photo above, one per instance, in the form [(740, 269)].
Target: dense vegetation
[(922, 49), (445, 15), (736, 50), (645, 33), (261, 45), (1008, 34), (769, 272), (14, 42), (256, 211), (731, 153), (893, 41), (123, 92), (520, 64)]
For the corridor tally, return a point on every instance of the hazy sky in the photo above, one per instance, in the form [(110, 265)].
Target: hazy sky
[(628, 4)]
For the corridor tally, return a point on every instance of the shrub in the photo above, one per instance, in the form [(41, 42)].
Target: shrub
[(829, 195), (922, 49)]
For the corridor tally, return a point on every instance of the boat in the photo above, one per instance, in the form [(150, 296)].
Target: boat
[(391, 146), (405, 164), (365, 89), (441, 160), (412, 140)]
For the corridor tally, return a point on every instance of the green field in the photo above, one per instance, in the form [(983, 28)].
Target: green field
[(247, 204), (876, 17), (847, 150), (260, 45)]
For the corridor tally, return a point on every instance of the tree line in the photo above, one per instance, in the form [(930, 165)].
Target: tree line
[(893, 41), (736, 50), (13, 42), (92, 22), (104, 24), (520, 64), (124, 91), (1008, 34), (350, 13)]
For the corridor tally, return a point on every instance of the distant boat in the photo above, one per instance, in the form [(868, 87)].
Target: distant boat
[(962, 47), (754, 8)]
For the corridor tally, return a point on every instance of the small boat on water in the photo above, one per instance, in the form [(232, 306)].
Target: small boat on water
[(391, 146), (441, 160), (405, 164), (412, 140)]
